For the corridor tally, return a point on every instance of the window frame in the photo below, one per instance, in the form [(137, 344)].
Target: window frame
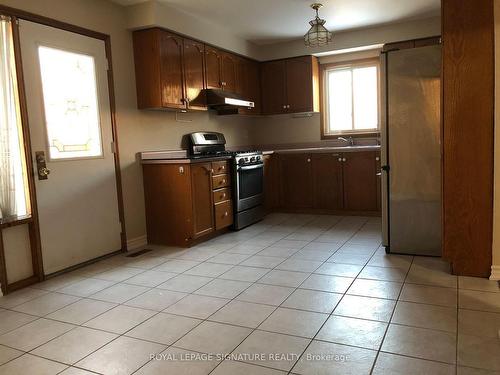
[(324, 68)]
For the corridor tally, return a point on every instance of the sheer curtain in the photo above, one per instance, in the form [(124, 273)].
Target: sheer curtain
[(13, 183)]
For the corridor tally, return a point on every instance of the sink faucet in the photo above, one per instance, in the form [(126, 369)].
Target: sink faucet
[(349, 140)]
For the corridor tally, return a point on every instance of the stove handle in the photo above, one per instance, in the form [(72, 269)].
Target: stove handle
[(249, 167)]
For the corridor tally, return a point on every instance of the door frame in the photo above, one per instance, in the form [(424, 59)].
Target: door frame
[(33, 221)]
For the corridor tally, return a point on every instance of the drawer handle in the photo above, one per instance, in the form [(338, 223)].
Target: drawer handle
[(223, 181), (223, 195), (226, 214)]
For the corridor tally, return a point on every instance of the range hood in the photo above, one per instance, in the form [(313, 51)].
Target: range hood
[(224, 102)]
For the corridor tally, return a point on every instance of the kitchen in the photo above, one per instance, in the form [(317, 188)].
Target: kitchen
[(319, 213)]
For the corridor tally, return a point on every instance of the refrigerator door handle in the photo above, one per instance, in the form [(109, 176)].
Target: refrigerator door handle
[(385, 168)]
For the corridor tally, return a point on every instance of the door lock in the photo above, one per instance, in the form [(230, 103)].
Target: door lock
[(41, 165)]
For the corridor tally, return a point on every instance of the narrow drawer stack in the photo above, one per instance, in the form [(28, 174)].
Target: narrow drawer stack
[(221, 184)]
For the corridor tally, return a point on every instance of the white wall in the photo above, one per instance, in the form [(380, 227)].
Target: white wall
[(495, 269)]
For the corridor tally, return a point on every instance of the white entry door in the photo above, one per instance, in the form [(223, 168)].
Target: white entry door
[(65, 76)]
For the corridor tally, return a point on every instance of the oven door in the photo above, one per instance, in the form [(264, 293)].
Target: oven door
[(249, 186)]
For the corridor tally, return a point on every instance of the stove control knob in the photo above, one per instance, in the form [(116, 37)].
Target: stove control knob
[(241, 161), (257, 158), (252, 159)]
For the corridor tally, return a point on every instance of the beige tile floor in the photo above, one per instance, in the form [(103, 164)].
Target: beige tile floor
[(297, 294)]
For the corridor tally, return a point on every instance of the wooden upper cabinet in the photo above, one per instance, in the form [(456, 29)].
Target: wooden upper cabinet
[(194, 71), (296, 183), (169, 69), (360, 181), (229, 71), (249, 84), (327, 180), (171, 76), (300, 91), (201, 187), (290, 85), (273, 81), (213, 67)]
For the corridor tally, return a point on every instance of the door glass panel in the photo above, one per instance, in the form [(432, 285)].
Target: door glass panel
[(70, 103)]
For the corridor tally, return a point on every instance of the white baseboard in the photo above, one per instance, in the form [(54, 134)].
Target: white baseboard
[(137, 243), (495, 273)]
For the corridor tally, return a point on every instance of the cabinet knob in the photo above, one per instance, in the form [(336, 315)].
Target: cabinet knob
[(288, 105), (225, 214), (284, 107), (308, 160), (377, 158), (340, 159), (223, 181), (223, 195), (344, 159)]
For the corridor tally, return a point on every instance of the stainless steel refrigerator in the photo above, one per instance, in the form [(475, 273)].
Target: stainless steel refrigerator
[(411, 151)]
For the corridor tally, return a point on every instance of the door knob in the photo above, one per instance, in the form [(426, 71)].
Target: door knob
[(44, 172), (41, 165)]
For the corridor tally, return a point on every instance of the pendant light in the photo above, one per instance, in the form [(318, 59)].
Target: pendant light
[(318, 35)]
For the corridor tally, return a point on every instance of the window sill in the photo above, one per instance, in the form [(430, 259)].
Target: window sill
[(353, 135), (12, 221)]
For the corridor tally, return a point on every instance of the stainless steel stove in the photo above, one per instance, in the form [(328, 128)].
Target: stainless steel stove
[(248, 175)]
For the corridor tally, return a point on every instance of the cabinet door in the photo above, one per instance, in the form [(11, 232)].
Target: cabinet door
[(172, 90), (213, 63), (201, 186), (229, 72), (249, 84), (327, 181), (299, 90), (273, 87), (360, 181), (296, 183), (194, 76), (168, 201), (271, 182)]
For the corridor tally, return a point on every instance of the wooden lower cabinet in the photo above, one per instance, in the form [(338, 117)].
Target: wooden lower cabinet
[(272, 185), (323, 182), (327, 177), (360, 181), (296, 178), (183, 205), (201, 195)]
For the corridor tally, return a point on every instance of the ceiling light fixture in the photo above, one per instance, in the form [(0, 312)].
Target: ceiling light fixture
[(318, 35)]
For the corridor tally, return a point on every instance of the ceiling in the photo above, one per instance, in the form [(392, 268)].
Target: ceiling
[(271, 21)]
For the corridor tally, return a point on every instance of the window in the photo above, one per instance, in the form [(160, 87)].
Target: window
[(70, 103), (14, 195), (351, 98)]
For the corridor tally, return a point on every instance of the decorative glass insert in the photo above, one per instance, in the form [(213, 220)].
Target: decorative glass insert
[(70, 102)]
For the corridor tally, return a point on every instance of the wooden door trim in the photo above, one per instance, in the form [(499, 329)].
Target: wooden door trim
[(34, 228)]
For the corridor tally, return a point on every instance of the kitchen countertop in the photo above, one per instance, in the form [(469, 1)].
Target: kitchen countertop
[(323, 149), (181, 156)]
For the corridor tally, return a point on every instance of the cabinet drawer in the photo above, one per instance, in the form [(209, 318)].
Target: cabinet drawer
[(222, 195), (220, 167), (223, 214), (220, 181)]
